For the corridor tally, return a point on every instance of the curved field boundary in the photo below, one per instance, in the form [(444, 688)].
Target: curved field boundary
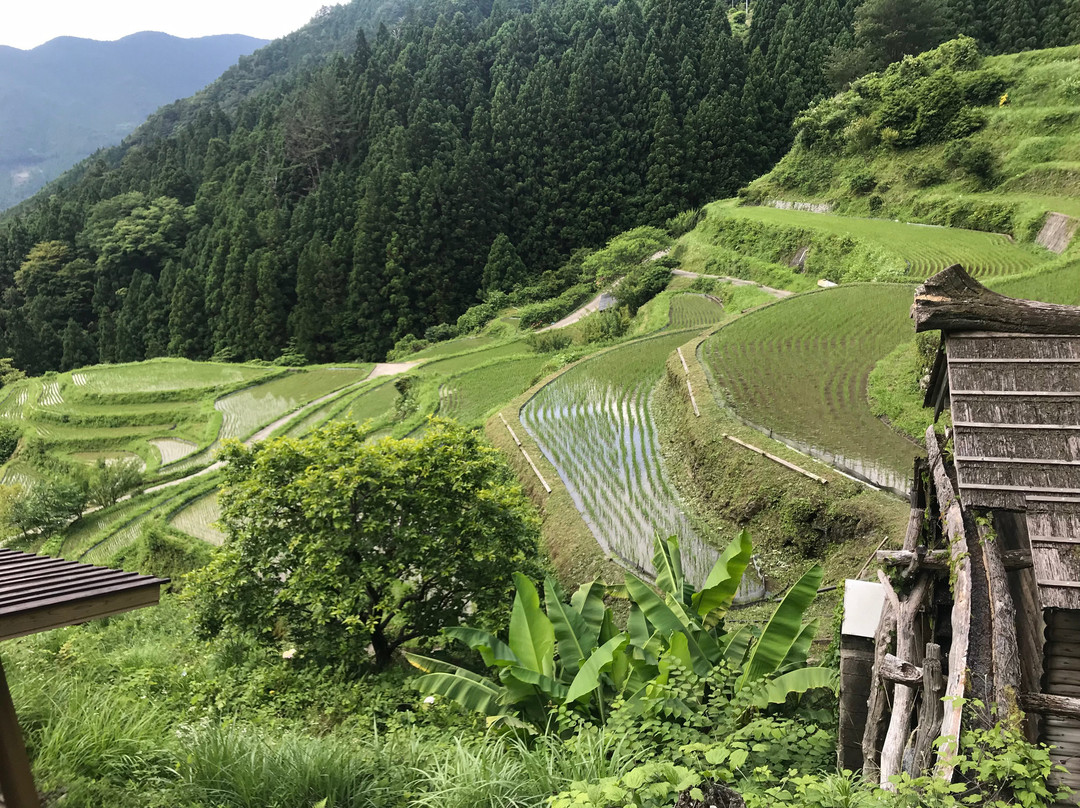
[(197, 519), (812, 383), (172, 449), (690, 310), (926, 248), (473, 394), (592, 424)]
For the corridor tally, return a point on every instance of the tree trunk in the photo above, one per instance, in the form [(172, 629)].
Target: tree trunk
[(954, 301)]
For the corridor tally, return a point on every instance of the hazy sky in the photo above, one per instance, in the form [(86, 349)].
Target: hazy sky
[(28, 23)]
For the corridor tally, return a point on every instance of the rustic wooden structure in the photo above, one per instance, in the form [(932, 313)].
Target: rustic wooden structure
[(987, 586), (37, 594)]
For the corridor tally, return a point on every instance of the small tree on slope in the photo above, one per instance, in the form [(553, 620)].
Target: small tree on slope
[(334, 545)]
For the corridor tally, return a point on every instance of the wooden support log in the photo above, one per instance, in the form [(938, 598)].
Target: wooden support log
[(1005, 650), (892, 751), (879, 695), (1046, 704), (914, 529), (16, 780), (952, 515), (938, 560), (954, 301), (901, 672), (930, 711)]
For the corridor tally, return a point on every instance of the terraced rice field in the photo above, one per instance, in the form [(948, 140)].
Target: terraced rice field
[(51, 395), (458, 364), (800, 367), (694, 311), (253, 407), (373, 404), (1057, 284), (167, 375), (469, 397), (454, 346), (593, 424), (171, 449), (198, 518), (109, 457), (82, 535), (927, 249)]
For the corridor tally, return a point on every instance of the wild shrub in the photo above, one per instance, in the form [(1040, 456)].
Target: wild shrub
[(548, 341), (862, 182), (604, 326), (684, 222), (9, 441)]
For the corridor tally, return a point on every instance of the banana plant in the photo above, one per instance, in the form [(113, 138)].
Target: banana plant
[(570, 652)]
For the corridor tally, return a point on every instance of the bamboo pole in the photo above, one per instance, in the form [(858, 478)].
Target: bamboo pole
[(776, 459)]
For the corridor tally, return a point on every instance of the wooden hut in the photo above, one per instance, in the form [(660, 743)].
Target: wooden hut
[(990, 570), (38, 594)]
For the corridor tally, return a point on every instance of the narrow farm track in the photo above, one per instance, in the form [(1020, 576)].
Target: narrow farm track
[(734, 282), (593, 424)]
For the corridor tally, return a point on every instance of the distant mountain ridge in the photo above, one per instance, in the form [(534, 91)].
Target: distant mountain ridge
[(63, 100)]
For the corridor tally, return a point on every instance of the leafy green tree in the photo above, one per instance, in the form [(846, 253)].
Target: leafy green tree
[(110, 481), (885, 32), (334, 543)]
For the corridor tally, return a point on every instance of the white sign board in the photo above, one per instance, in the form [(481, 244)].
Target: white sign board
[(863, 602)]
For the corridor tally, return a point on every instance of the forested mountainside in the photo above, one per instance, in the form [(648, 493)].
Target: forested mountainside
[(61, 101), (354, 203), (332, 207)]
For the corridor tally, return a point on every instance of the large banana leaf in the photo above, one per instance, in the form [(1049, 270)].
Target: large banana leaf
[(523, 683), (588, 678), (638, 626), (470, 690), (800, 649), (668, 618), (571, 632), (783, 628), (532, 637), (734, 645), (493, 651), (718, 591), (667, 561), (588, 601), (776, 691)]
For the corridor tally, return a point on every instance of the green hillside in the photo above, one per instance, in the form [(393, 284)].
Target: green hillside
[(946, 138)]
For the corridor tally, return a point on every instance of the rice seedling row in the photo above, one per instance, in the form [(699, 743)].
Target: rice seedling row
[(593, 424), (51, 395), (171, 449), (167, 375), (694, 311), (198, 518), (470, 396), (926, 249), (800, 367), (79, 379)]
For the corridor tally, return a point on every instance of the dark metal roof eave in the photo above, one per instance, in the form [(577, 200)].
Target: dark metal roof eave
[(38, 593)]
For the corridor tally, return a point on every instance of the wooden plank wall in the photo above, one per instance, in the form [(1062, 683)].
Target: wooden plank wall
[(1061, 677)]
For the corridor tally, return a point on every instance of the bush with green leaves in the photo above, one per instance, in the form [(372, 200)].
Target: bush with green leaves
[(641, 285), (9, 441), (334, 543), (684, 222), (549, 341), (624, 252), (569, 658), (605, 326), (111, 480)]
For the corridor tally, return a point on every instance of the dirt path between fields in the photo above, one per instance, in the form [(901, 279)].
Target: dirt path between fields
[(381, 369), (734, 282)]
